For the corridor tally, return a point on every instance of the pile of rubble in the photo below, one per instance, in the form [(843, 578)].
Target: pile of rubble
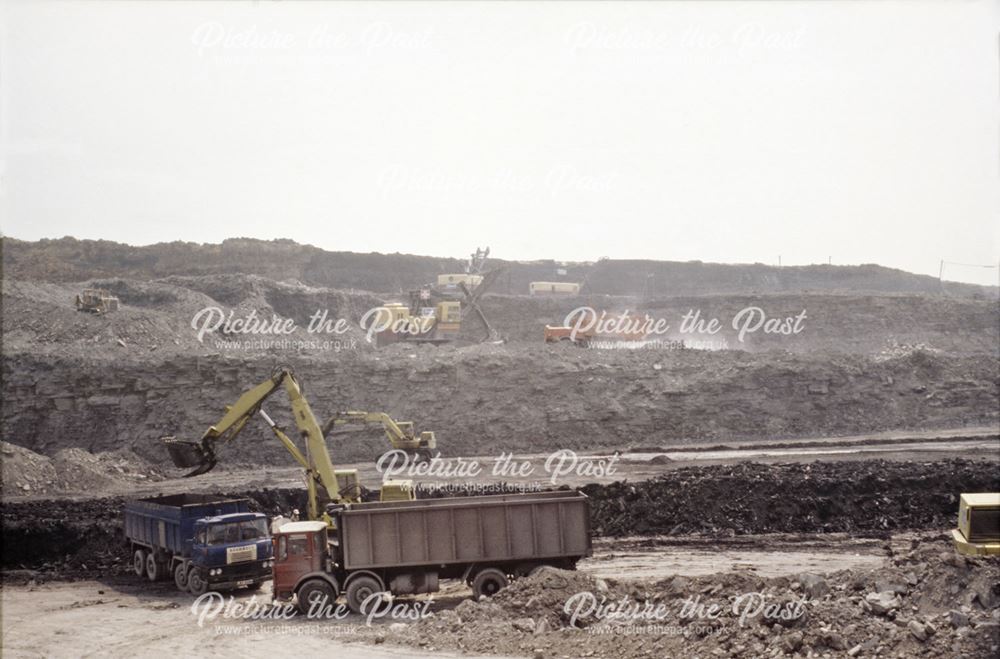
[(929, 602), (24, 471), (71, 470)]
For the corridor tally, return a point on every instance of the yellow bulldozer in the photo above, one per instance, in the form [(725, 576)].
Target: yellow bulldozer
[(96, 301)]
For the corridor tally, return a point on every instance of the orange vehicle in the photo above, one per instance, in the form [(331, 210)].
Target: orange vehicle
[(631, 332), (555, 334)]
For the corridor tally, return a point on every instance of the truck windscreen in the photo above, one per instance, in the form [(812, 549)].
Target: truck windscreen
[(222, 534)]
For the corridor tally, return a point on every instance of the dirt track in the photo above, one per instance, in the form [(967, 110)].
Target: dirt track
[(126, 603), (58, 620)]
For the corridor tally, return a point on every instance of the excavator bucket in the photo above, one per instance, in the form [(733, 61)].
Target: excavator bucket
[(190, 454)]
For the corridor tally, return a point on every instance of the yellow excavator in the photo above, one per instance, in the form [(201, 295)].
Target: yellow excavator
[(402, 435), (324, 484)]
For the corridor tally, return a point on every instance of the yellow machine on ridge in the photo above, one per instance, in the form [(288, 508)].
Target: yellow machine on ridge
[(96, 300), (435, 312)]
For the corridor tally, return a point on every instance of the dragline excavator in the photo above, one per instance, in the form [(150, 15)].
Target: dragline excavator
[(401, 434), (324, 484)]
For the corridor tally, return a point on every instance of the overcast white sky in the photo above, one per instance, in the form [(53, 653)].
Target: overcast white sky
[(734, 132)]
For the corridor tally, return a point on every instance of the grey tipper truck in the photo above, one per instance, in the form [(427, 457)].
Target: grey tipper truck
[(205, 542), (405, 547)]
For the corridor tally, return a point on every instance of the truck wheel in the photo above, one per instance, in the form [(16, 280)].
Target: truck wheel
[(181, 576), (139, 562), (488, 582), (154, 568), (361, 589), (197, 584), (318, 593)]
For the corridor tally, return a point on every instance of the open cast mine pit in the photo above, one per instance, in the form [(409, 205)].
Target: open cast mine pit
[(776, 495)]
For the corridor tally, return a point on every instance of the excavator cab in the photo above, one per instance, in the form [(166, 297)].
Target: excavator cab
[(397, 490), (350, 485)]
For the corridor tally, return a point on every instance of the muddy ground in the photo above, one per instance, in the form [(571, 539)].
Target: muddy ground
[(787, 595)]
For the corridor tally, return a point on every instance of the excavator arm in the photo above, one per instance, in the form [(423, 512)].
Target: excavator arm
[(401, 434), (393, 430), (321, 476), (201, 455)]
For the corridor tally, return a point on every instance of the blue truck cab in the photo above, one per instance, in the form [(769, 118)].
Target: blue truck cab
[(205, 542)]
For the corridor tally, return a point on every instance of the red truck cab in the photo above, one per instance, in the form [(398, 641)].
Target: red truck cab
[(301, 555)]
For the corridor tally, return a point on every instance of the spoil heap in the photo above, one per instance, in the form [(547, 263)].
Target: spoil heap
[(929, 602)]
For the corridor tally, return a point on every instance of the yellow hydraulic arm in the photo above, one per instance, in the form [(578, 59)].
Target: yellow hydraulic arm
[(320, 474), (400, 433)]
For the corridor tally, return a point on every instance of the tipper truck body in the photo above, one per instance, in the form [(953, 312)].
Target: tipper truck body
[(406, 547)]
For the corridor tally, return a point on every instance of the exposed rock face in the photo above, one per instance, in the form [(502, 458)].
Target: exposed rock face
[(489, 398)]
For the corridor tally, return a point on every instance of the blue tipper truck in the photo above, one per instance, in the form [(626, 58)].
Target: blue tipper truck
[(205, 542)]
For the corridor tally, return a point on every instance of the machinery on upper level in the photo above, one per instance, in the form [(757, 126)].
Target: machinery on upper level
[(96, 301), (435, 312), (402, 435)]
